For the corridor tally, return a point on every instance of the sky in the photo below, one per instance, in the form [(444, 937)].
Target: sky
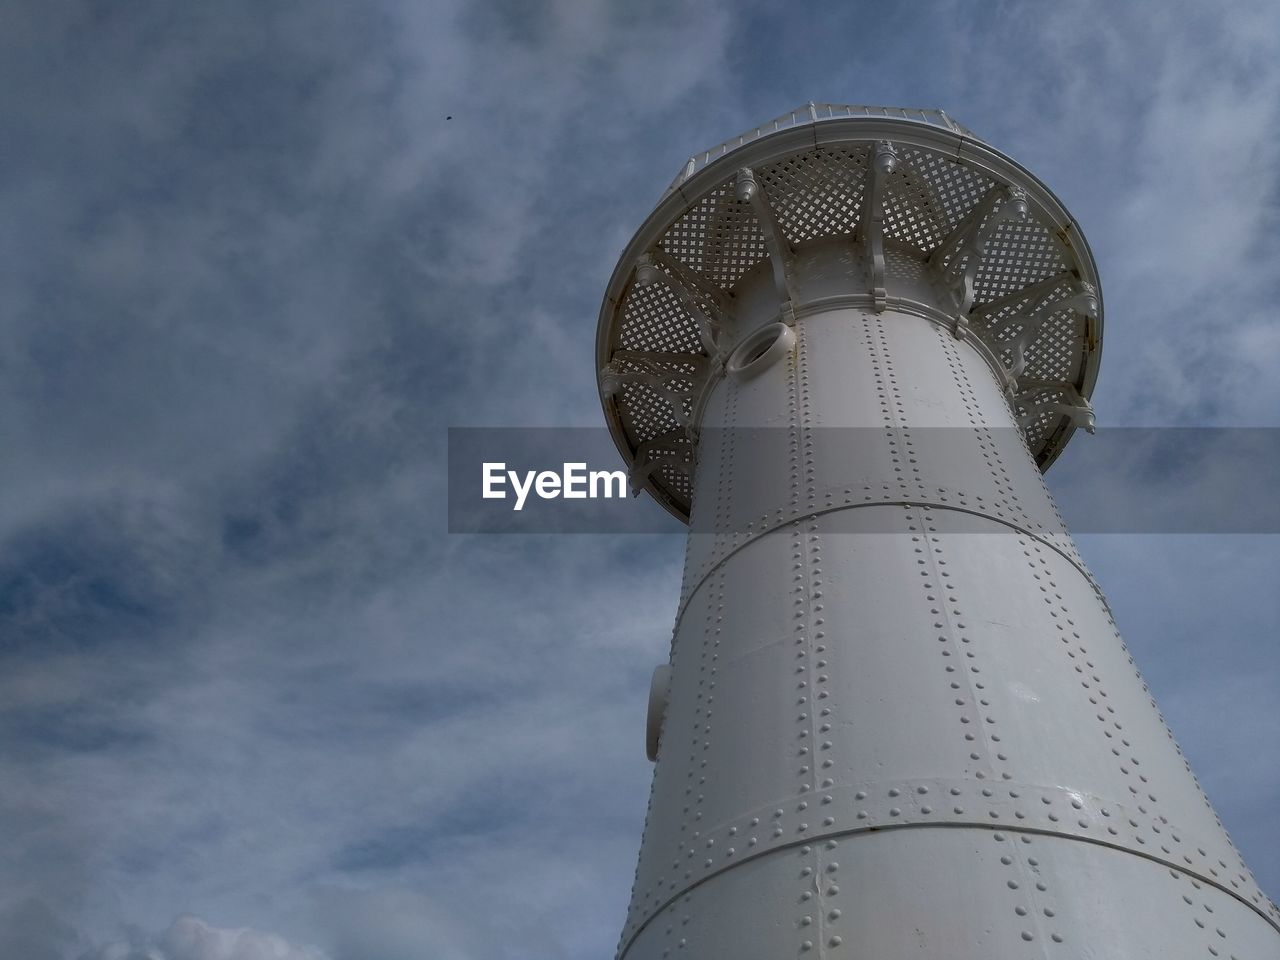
[(255, 702)]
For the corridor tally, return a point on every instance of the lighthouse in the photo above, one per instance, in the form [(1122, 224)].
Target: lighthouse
[(897, 720)]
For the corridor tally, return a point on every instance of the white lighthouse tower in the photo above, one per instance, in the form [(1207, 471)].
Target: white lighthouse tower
[(897, 722)]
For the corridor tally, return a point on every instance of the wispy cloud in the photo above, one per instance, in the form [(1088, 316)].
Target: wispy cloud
[(190, 938)]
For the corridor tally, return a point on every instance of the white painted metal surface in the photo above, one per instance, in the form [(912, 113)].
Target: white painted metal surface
[(899, 721)]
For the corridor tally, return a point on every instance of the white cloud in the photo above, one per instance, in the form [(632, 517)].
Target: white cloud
[(190, 938), (398, 924)]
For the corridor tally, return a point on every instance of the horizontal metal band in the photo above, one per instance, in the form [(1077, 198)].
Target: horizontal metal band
[(948, 500), (859, 809)]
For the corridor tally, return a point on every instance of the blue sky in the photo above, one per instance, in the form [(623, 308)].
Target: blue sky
[(254, 701)]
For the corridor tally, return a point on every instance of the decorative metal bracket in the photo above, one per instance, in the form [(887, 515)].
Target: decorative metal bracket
[(967, 243), (649, 369), (646, 461), (1066, 401), (1081, 297), (720, 301), (706, 309), (884, 161), (749, 190), (1041, 301)]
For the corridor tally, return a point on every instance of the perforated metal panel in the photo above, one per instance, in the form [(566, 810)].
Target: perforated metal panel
[(956, 187), (819, 193), (654, 320), (1017, 256), (719, 238)]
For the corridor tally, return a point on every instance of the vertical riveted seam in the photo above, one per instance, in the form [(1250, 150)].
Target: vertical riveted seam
[(1207, 923), (1029, 890), (897, 430), (953, 634), (873, 333), (1008, 497), (1089, 679), (801, 479), (829, 926), (820, 710), (700, 743), (819, 780), (724, 490)]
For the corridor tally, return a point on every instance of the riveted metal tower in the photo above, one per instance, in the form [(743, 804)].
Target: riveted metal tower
[(898, 721)]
